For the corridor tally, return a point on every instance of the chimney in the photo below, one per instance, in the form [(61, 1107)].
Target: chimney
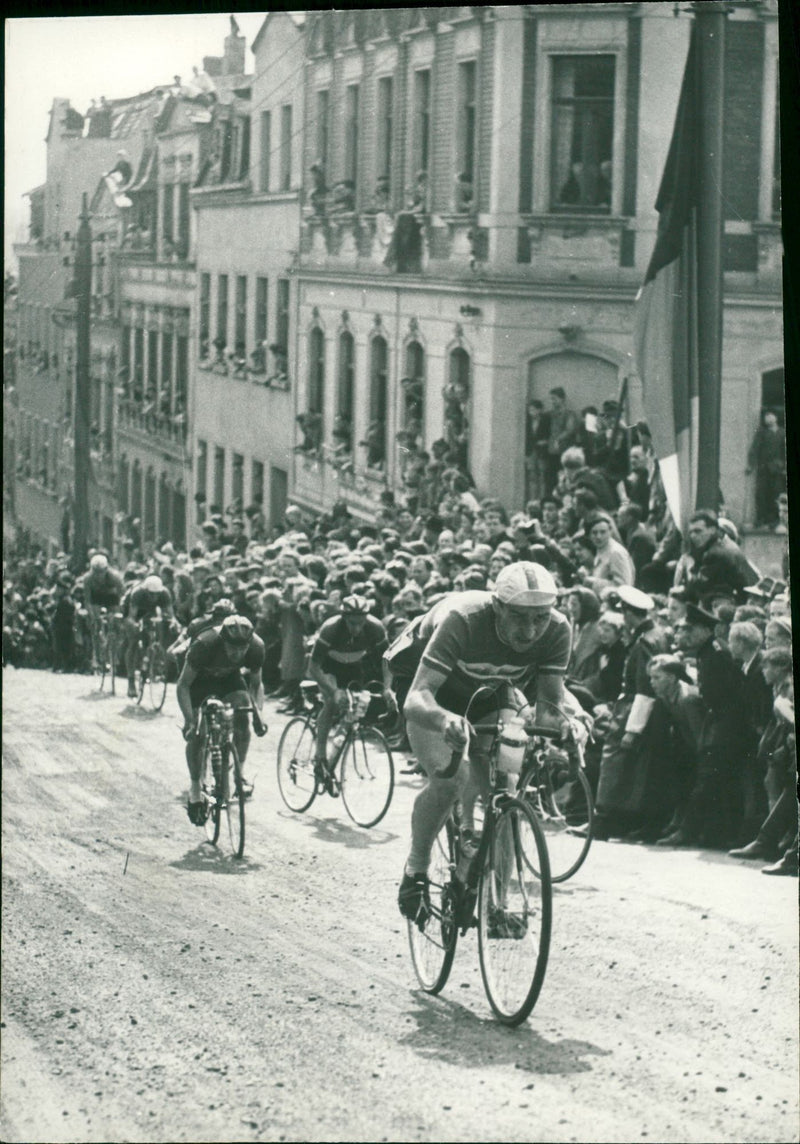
[(233, 60)]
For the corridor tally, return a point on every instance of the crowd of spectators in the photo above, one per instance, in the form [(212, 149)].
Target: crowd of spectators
[(684, 630)]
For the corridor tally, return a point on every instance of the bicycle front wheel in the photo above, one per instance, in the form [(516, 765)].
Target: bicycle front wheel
[(514, 912), (212, 786), (157, 676), (296, 751), (562, 808), (141, 673), (101, 657), (433, 943), (367, 777), (234, 800), (112, 662)]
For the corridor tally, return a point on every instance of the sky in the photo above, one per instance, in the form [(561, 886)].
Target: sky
[(81, 58)]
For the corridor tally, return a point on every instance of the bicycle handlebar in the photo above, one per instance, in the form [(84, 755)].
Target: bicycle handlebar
[(535, 732)]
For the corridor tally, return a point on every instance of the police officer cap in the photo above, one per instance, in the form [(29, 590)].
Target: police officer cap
[(634, 599)]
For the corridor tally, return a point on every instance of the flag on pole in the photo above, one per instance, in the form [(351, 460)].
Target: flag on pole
[(665, 332)]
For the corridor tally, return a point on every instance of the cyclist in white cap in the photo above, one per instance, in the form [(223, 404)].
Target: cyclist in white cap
[(507, 639), (145, 600)]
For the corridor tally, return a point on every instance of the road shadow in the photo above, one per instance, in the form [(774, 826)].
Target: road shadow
[(133, 711), (93, 696), (209, 859), (447, 1031), (338, 831)]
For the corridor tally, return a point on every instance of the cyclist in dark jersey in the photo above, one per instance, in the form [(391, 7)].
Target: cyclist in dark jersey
[(102, 588), (510, 638), (224, 662), (348, 649)]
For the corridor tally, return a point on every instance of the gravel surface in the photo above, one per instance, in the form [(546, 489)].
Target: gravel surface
[(156, 989)]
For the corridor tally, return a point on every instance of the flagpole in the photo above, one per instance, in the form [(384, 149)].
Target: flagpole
[(710, 18)]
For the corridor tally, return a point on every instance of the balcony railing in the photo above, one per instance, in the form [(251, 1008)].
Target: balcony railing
[(144, 419)]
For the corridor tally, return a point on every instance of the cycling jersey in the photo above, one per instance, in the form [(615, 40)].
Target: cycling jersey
[(465, 645), (405, 652), (103, 588), (143, 604), (350, 656), (215, 675)]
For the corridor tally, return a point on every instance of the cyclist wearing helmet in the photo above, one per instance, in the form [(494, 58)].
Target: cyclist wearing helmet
[(224, 662), (510, 638), (349, 649), (145, 600), (102, 588)]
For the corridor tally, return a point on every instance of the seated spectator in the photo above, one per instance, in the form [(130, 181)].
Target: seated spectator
[(612, 563), (583, 610), (638, 538)]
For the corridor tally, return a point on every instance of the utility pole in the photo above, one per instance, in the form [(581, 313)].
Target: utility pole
[(710, 19), (82, 292)]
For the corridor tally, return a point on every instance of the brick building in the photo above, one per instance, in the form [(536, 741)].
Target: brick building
[(490, 176)]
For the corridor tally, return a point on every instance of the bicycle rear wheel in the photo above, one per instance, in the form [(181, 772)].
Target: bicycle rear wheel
[(433, 944), (234, 800), (296, 751), (367, 777), (514, 912), (157, 676), (212, 787)]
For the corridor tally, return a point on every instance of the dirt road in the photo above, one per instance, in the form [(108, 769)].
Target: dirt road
[(155, 989)]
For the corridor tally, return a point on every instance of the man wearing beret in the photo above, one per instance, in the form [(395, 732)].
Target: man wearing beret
[(713, 811)]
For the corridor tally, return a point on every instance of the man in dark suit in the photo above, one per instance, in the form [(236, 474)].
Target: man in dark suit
[(744, 642), (713, 812)]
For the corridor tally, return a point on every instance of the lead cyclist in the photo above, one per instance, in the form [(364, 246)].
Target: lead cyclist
[(509, 639)]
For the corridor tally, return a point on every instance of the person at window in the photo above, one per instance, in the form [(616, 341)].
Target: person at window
[(572, 190), (767, 458), (319, 191), (603, 188), (537, 433)]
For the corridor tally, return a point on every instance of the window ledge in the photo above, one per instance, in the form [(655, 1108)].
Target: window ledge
[(557, 219)]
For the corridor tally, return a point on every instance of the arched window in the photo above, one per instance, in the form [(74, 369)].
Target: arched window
[(456, 404), (136, 491), (413, 384), (149, 520), (316, 371), (164, 499), (123, 485), (179, 516), (343, 425), (376, 430)]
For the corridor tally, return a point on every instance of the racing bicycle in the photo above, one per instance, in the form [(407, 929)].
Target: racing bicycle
[(221, 770), (104, 654), (151, 662), (360, 764), (500, 884)]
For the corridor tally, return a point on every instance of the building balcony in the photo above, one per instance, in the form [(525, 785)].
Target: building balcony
[(143, 421), (323, 476), (592, 238)]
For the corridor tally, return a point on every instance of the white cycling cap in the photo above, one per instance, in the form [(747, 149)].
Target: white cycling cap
[(525, 584), (153, 584), (98, 561)]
